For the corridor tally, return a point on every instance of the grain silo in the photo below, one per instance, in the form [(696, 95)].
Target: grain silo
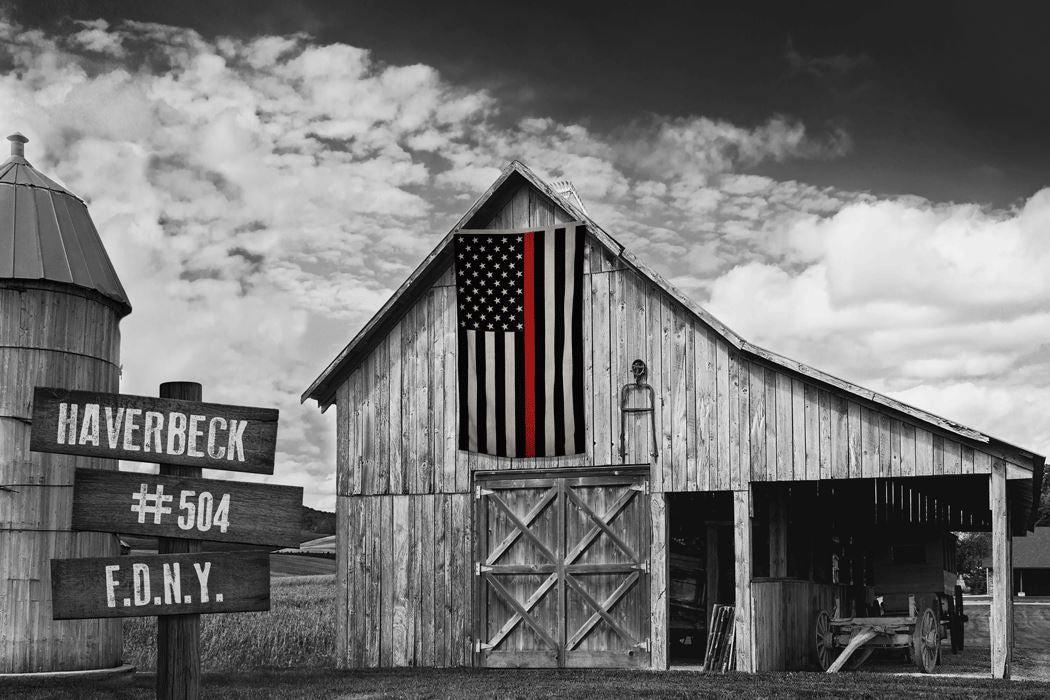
[(60, 307)]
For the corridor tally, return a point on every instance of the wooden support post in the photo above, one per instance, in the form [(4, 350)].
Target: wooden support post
[(778, 526), (178, 636), (658, 558), (1001, 614), (744, 638)]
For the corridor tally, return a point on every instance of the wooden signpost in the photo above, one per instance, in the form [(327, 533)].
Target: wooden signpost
[(183, 435)]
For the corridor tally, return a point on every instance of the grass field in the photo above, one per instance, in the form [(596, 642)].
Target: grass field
[(299, 630), (287, 653)]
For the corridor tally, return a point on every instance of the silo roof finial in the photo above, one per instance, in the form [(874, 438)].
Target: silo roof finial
[(18, 142)]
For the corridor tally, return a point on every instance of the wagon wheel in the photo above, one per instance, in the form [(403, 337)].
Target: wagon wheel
[(825, 640), (926, 641)]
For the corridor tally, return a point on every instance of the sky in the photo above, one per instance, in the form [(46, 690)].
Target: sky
[(865, 190)]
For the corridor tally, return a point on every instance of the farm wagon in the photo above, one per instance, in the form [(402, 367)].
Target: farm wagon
[(756, 481)]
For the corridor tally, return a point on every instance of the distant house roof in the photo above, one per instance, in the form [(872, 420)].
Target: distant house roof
[(323, 389), (46, 233), (1031, 551)]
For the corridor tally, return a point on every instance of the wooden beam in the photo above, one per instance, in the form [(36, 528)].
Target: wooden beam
[(1001, 619), (744, 640), (658, 582)]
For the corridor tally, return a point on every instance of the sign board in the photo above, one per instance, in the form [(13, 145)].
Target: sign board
[(148, 429), (160, 584), (182, 507)]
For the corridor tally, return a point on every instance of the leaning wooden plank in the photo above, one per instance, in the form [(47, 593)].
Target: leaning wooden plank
[(855, 643)]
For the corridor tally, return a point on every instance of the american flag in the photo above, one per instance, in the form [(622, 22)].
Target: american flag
[(520, 315)]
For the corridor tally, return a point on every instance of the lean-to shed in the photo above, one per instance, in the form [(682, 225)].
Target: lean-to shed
[(758, 482)]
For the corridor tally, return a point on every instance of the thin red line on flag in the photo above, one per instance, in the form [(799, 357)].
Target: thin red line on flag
[(529, 284)]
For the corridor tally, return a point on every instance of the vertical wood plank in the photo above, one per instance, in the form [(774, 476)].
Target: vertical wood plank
[(798, 430), (679, 436), (395, 438), (1000, 616), (401, 641), (725, 447), (387, 578), (707, 411), (379, 481), (895, 448), (869, 443), (784, 447), (923, 452), (840, 437), (855, 426), (455, 479), (368, 425), (426, 630), (409, 436), (938, 455), (967, 458), (982, 462), (757, 398), (666, 396), (621, 361), (744, 627), (654, 356), (342, 584), (885, 446), (743, 475), (604, 430), (734, 424), (826, 455), (373, 573), (588, 361), (436, 302), (772, 471), (659, 601), (812, 417), (424, 481), (952, 457), (907, 449), (692, 454)]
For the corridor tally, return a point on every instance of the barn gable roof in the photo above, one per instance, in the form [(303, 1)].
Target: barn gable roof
[(324, 387)]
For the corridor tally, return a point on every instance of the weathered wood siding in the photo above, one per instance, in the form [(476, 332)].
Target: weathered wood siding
[(405, 581), (785, 611), (723, 417)]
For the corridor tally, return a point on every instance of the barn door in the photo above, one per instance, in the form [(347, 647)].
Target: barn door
[(562, 568)]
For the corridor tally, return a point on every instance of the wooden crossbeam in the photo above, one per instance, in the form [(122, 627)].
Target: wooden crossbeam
[(603, 524), (520, 610), (530, 517), (602, 610), (607, 517), (522, 527), (516, 618)]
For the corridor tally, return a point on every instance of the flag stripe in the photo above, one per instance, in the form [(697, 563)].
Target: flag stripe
[(556, 389), (499, 391), (462, 353), (576, 329), (550, 358), (529, 323), (508, 429), (472, 390), (519, 397)]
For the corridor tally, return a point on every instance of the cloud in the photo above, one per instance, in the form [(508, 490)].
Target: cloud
[(262, 197), (834, 66)]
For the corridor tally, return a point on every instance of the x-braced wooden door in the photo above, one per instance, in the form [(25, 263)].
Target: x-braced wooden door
[(562, 568)]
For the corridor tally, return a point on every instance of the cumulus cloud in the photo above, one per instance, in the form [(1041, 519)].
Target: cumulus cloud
[(261, 198)]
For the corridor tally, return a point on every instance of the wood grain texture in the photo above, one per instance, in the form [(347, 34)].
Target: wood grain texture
[(744, 622), (79, 586), (48, 336), (185, 445), (1000, 613), (258, 513)]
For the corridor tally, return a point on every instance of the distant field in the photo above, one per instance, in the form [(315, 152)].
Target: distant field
[(297, 565)]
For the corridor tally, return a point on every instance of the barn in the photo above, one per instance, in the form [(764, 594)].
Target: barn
[(714, 472)]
